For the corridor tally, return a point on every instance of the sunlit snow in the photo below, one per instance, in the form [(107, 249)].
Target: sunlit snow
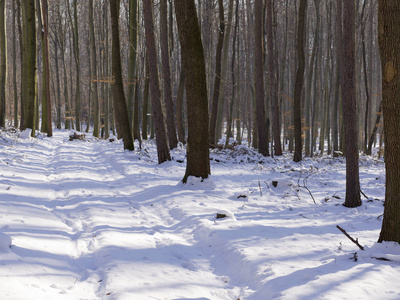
[(84, 219)]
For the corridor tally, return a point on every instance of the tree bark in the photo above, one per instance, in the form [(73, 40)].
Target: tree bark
[(349, 105), (29, 32), (158, 118), (179, 108), (217, 78), (165, 61), (132, 80), (389, 40), (299, 81), (263, 147), (120, 110), (46, 65), (14, 64), (272, 63), (3, 63), (198, 157), (96, 104)]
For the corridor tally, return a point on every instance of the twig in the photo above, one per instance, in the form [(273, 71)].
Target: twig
[(363, 194), (259, 186), (305, 186), (355, 241)]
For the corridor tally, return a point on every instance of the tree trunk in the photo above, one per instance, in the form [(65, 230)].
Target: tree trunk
[(224, 71), (132, 80), (367, 91), (120, 110), (179, 107), (263, 147), (374, 130), (96, 104), (349, 104), (46, 66), (198, 157), (272, 63), (145, 119), (338, 45), (165, 60), (389, 40), (299, 81), (233, 74), (14, 64), (75, 39), (217, 78), (29, 69), (158, 118), (3, 63)]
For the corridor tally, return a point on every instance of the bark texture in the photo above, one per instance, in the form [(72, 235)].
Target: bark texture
[(198, 156), (120, 109), (298, 147), (158, 118), (349, 103), (389, 41)]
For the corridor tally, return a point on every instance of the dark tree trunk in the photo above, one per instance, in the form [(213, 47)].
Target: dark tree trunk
[(46, 65), (158, 118), (263, 147), (389, 40), (272, 61), (349, 105), (120, 110), (169, 104), (96, 104), (29, 69), (3, 63), (298, 148), (198, 156), (217, 78), (179, 108)]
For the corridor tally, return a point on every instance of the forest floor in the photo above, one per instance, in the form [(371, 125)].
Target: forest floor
[(84, 219)]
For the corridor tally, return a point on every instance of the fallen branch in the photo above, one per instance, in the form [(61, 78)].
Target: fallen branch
[(364, 194), (355, 241)]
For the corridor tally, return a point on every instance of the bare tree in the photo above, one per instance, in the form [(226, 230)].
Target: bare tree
[(259, 79), (349, 103), (299, 81), (198, 157), (389, 40), (158, 118), (120, 110)]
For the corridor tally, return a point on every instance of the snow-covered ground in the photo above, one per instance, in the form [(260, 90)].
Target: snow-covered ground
[(86, 220)]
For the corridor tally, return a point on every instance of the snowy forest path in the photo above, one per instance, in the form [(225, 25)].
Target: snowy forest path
[(102, 219)]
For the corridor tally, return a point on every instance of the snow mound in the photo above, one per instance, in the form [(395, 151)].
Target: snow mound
[(5, 242), (26, 134), (198, 183)]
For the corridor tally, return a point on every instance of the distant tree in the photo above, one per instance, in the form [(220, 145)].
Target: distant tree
[(93, 60), (3, 63), (217, 77), (75, 40), (46, 66), (301, 22), (349, 103), (165, 61), (120, 109), (272, 63), (14, 63), (132, 67), (263, 147), (389, 41), (198, 156), (29, 65), (158, 118)]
